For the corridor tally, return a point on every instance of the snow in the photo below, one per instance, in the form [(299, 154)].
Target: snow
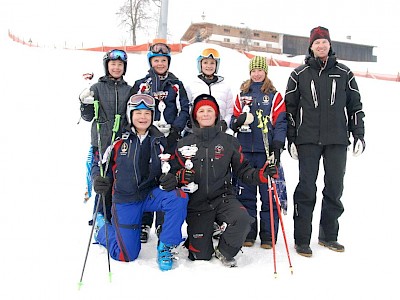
[(44, 220)]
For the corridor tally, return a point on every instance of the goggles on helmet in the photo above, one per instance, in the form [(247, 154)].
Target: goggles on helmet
[(210, 53), (160, 48), (117, 54), (138, 99)]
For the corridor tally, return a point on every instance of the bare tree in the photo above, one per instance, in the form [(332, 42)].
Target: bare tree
[(138, 15)]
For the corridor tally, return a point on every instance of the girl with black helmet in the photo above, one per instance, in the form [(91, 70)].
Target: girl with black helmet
[(112, 92), (171, 110)]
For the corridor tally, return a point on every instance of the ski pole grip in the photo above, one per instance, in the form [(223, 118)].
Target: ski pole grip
[(116, 122), (96, 109)]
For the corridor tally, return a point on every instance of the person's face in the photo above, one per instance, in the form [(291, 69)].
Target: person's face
[(206, 116), (320, 48), (208, 66), (257, 75), (116, 68), (159, 64), (141, 119)]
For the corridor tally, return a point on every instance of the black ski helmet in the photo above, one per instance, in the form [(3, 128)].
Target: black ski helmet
[(115, 54)]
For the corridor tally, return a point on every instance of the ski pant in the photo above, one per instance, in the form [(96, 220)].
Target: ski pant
[(247, 195), (200, 229), (124, 230), (334, 162)]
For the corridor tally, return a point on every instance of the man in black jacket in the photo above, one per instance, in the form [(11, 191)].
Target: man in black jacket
[(324, 106)]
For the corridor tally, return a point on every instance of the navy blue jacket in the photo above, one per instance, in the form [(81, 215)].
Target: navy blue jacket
[(135, 165)]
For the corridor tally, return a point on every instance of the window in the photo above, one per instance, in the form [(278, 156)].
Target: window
[(256, 34), (227, 30), (227, 40)]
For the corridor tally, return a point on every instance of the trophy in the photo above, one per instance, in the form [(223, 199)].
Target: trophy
[(165, 166), (188, 152), (162, 125), (246, 103)]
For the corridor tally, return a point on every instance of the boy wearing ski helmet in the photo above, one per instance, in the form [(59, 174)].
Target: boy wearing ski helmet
[(215, 155), (171, 110), (139, 186), (112, 93)]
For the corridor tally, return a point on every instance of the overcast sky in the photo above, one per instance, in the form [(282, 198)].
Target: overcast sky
[(92, 22)]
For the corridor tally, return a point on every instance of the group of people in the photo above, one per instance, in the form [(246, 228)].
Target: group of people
[(198, 154)]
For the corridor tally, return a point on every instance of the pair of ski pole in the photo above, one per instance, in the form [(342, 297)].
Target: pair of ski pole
[(102, 198), (263, 125)]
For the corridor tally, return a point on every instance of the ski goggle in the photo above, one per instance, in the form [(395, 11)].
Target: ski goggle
[(160, 48), (210, 53), (117, 54), (139, 99)]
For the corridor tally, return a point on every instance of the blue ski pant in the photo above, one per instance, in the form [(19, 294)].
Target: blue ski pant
[(247, 195), (124, 230)]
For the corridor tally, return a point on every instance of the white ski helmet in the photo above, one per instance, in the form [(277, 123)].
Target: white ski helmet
[(139, 101)]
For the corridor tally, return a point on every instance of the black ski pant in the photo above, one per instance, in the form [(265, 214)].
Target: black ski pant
[(200, 229), (334, 162)]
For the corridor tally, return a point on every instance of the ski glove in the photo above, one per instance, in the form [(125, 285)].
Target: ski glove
[(358, 145), (239, 121), (168, 182), (293, 151), (268, 170), (223, 125), (172, 137), (101, 185), (86, 96), (277, 147), (185, 176)]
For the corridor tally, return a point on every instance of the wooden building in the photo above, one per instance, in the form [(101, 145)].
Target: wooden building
[(246, 39)]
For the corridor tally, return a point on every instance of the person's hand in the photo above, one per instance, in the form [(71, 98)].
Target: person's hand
[(358, 145), (101, 185), (243, 118), (168, 182), (277, 147), (223, 125), (268, 170), (293, 151), (185, 176), (172, 137), (86, 96)]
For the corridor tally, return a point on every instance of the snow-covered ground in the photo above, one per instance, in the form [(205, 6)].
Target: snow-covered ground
[(44, 231)]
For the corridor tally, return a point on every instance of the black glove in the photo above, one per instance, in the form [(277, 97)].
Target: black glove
[(223, 125), (239, 121), (168, 182), (101, 185), (185, 176), (268, 170), (172, 138), (358, 145), (277, 147)]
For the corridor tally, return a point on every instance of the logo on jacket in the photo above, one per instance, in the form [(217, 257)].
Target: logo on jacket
[(218, 151), (124, 148), (265, 100)]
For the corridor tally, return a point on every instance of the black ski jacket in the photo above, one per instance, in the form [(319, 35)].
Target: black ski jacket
[(219, 154), (323, 104)]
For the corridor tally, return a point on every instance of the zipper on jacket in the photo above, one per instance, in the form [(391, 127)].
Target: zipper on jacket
[(207, 170), (333, 93), (314, 94)]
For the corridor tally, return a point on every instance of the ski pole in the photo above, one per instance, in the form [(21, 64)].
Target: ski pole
[(101, 198), (263, 124), (271, 217), (278, 207)]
